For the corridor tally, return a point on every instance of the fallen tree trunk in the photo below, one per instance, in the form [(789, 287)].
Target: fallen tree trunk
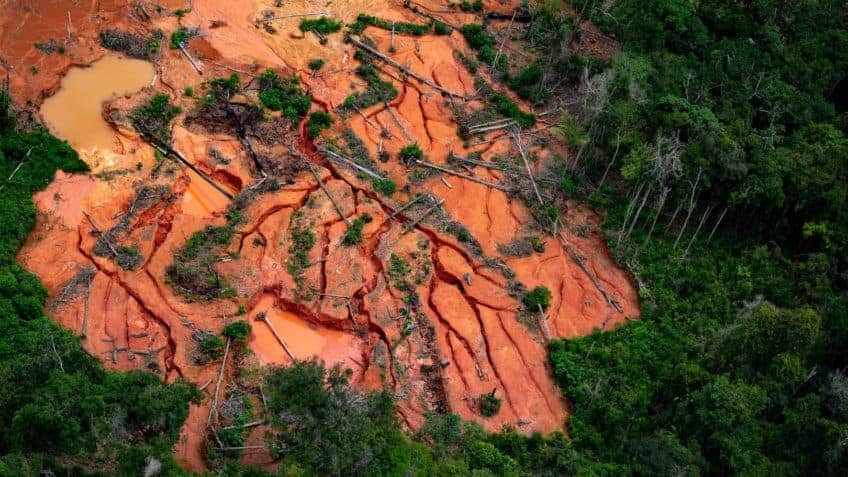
[(464, 176), (403, 69)]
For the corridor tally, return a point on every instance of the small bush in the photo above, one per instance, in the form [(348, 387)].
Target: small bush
[(537, 297), (189, 91), (283, 94), (354, 232), (384, 186), (237, 330), (468, 7), (181, 36), (153, 119), (489, 404), (410, 153), (316, 64), (302, 241), (318, 121), (440, 28), (224, 88), (211, 346), (323, 25)]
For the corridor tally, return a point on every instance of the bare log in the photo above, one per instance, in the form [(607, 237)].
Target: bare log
[(698, 229), (327, 192), (720, 217), (516, 135), (344, 160), (394, 115), (463, 176), (402, 68), (425, 214), (407, 205), (190, 59), (279, 338), (214, 408), (691, 208), (293, 15), (581, 262), (102, 235)]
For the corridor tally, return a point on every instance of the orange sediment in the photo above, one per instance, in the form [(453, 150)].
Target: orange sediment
[(468, 340)]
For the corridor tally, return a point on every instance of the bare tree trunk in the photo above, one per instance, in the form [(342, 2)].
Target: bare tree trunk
[(614, 157), (673, 216), (214, 407), (720, 217), (660, 203), (691, 208), (630, 207), (639, 211), (695, 235)]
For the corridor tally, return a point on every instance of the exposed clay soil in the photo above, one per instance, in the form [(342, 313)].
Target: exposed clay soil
[(468, 338)]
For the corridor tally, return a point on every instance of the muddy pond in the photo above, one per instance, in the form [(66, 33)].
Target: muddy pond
[(75, 112)]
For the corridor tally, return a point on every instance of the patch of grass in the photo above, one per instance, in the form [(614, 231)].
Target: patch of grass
[(318, 121), (283, 94), (192, 274), (537, 297), (302, 241), (484, 42), (129, 258), (377, 90), (506, 107), (401, 28), (399, 271), (189, 91), (353, 235), (153, 119), (322, 25)]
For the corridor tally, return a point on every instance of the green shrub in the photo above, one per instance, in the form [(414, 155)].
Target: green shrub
[(399, 27), (410, 153), (302, 241), (384, 186), (536, 298), (377, 90), (211, 346), (237, 330), (153, 119), (318, 121), (283, 94), (322, 25), (440, 28), (224, 88), (316, 64), (181, 36), (353, 235), (489, 404)]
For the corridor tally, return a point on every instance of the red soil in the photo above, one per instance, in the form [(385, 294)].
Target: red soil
[(134, 319)]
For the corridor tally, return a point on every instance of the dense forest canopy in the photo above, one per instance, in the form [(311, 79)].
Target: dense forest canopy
[(714, 144)]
